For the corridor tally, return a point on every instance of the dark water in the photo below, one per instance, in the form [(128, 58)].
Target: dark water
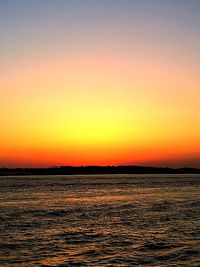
[(109, 220)]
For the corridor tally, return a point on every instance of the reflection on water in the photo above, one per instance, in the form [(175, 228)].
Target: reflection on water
[(109, 220)]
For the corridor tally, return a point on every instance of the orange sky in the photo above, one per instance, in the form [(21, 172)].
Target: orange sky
[(99, 94)]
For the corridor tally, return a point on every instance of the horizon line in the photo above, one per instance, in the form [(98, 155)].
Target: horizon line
[(102, 166)]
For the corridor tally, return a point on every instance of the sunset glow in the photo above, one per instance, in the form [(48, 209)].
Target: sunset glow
[(99, 82)]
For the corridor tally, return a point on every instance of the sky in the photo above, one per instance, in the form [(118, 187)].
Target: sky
[(99, 82)]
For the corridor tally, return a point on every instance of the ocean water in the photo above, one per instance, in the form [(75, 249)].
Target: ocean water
[(100, 220)]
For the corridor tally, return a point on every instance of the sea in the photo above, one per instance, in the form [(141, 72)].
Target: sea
[(100, 220)]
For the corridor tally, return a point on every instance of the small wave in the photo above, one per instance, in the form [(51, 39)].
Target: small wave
[(81, 237), (156, 246), (59, 213), (161, 206), (8, 246), (181, 253)]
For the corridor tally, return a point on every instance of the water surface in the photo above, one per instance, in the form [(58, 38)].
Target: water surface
[(100, 220)]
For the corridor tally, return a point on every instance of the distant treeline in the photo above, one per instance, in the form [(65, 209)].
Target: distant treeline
[(69, 170)]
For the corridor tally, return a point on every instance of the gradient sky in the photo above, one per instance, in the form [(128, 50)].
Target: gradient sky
[(86, 82)]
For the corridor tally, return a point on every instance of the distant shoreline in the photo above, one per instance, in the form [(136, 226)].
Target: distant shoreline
[(86, 170)]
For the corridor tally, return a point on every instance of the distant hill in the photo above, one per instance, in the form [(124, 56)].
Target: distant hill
[(69, 170)]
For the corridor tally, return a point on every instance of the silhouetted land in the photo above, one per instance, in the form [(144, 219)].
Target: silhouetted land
[(69, 170)]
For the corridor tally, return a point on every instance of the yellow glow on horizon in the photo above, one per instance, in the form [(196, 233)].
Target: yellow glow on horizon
[(100, 109)]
